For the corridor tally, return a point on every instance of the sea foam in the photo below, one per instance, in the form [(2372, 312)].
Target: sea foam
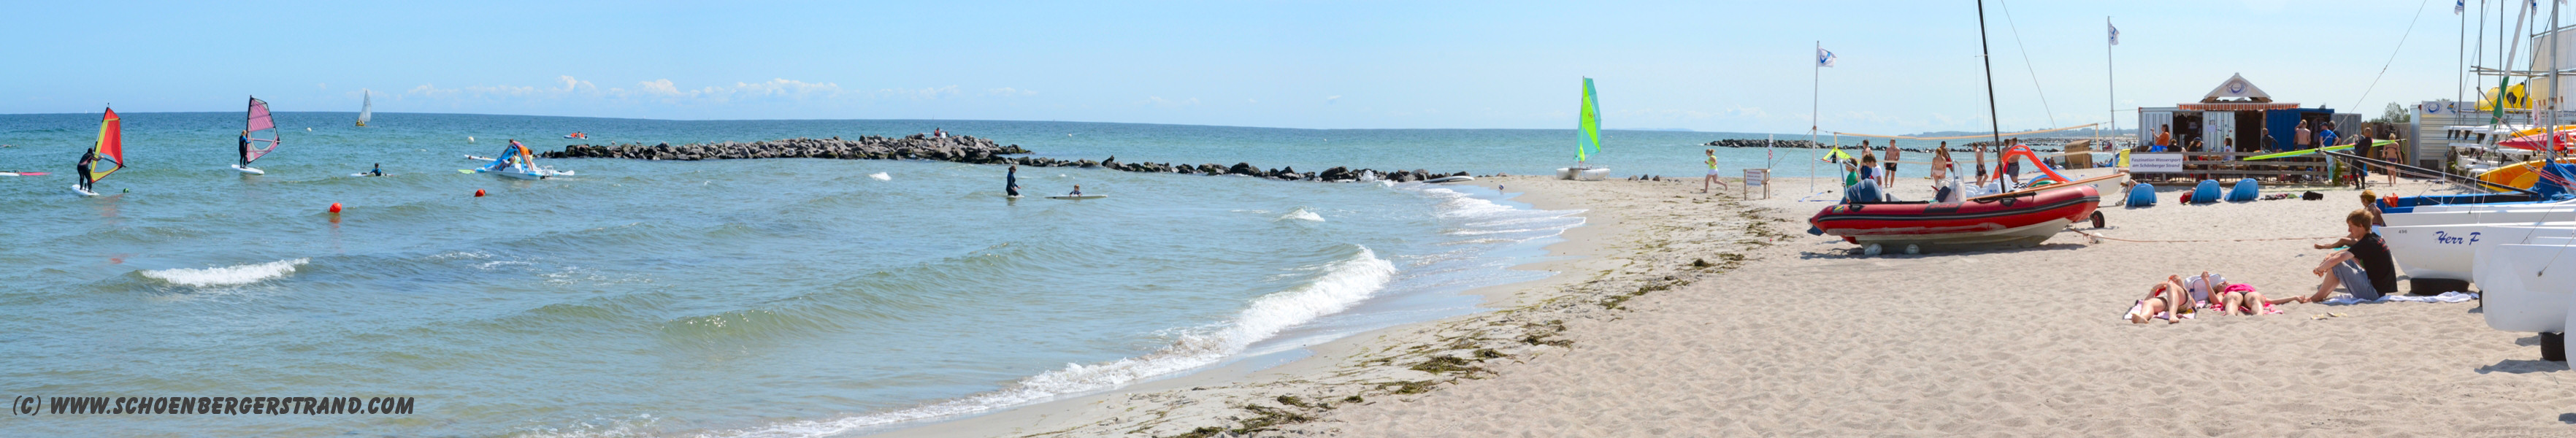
[(1300, 214), (1342, 284), (226, 275), (881, 176)]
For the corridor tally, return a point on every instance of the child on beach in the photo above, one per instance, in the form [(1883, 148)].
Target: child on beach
[(2363, 269), (2370, 203), (1944, 187), (1864, 187), (1712, 173)]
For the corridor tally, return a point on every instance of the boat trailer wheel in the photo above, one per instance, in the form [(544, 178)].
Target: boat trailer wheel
[(2097, 219)]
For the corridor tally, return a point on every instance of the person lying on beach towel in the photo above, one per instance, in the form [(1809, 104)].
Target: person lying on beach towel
[(2215, 292), (2166, 300)]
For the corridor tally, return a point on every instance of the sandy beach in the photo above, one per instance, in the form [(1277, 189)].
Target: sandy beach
[(1784, 333)]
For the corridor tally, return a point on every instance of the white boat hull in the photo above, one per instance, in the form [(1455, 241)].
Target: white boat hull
[(2453, 251), (1590, 174), (2526, 288)]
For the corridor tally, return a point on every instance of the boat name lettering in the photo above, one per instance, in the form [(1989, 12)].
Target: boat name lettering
[(2444, 237)]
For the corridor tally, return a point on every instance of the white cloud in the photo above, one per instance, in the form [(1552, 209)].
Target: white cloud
[(1009, 92), (1334, 98), (1169, 103)]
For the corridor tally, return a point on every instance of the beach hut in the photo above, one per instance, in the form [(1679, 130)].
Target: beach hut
[(2237, 110)]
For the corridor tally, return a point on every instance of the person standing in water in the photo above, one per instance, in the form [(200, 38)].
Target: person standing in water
[(81, 169), (244, 157), (1011, 181), (1712, 173)]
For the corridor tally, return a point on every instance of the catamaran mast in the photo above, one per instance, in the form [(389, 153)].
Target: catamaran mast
[(1983, 54)]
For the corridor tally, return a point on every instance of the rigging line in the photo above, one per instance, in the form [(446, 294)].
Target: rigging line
[(2392, 54), (2025, 61)]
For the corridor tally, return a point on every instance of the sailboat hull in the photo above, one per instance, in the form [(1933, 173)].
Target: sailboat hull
[(2516, 296), (2453, 251)]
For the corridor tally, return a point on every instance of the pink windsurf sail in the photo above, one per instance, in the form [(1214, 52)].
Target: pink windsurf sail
[(256, 122)]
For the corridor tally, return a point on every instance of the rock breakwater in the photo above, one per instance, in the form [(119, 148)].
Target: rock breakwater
[(962, 149)]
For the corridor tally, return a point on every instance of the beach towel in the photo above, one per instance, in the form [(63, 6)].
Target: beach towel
[(2445, 297)]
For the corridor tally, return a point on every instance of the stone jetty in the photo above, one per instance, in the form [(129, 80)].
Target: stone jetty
[(962, 149)]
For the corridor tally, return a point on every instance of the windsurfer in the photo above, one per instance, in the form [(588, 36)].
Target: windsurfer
[(81, 169), (378, 171), (245, 149)]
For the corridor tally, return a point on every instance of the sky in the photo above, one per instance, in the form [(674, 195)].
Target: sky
[(1736, 66)]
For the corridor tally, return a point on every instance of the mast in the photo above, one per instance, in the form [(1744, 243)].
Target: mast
[(1815, 80), (1984, 55), (2109, 71)]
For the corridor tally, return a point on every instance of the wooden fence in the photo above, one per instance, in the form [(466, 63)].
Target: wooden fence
[(2231, 165)]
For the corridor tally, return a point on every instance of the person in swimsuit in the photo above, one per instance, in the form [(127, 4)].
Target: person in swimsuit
[(1891, 160), (1944, 185), (1981, 164), (1011, 181)]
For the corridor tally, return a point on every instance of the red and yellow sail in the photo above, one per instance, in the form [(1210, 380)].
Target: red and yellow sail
[(110, 147)]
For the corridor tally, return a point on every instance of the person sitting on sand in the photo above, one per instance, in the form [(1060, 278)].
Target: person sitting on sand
[(1712, 173), (2363, 269), (2370, 203)]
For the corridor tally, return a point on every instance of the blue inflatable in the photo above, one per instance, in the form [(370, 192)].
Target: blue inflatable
[(2246, 190), (2142, 195), (2207, 192)]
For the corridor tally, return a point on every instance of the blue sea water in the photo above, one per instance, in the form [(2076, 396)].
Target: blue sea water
[(780, 297)]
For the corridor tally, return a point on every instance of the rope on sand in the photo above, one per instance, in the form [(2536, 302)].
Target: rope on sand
[(2102, 237)]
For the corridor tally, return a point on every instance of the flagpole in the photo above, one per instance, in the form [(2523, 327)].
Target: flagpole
[(1815, 80), (2109, 71)]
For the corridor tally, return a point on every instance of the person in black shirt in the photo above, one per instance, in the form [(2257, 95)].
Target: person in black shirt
[(81, 169), (2363, 269), (1011, 181)]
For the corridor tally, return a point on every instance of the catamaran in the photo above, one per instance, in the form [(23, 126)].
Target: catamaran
[(1587, 142), (253, 122), (366, 106), (109, 150)]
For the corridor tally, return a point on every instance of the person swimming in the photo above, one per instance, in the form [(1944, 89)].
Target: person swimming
[(1077, 190), (378, 171)]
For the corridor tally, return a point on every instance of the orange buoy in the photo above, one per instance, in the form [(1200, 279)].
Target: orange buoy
[(478, 193), (335, 207)]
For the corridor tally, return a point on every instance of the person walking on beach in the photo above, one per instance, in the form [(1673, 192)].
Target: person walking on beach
[(1011, 181), (2363, 268), (2269, 144), (1981, 164), (1712, 173)]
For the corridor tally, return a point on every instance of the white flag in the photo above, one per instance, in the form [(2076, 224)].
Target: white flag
[(1824, 58), (2115, 33), (2459, 7)]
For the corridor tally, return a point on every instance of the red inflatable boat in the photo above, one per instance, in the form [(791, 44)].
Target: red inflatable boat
[(2018, 218)]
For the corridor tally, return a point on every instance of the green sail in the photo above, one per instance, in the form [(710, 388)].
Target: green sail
[(1589, 142)]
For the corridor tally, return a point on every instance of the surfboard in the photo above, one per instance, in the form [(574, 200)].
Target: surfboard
[(25, 173), (1077, 197), (369, 174), (1449, 179), (76, 188), (2311, 151), (247, 170)]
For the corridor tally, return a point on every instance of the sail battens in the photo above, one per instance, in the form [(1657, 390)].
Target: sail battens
[(110, 147), (254, 121)]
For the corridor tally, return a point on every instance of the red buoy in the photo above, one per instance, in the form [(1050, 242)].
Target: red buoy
[(478, 193), (335, 207)]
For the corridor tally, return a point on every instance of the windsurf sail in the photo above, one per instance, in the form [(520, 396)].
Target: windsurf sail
[(366, 106), (110, 148), (257, 121), (1589, 141)]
